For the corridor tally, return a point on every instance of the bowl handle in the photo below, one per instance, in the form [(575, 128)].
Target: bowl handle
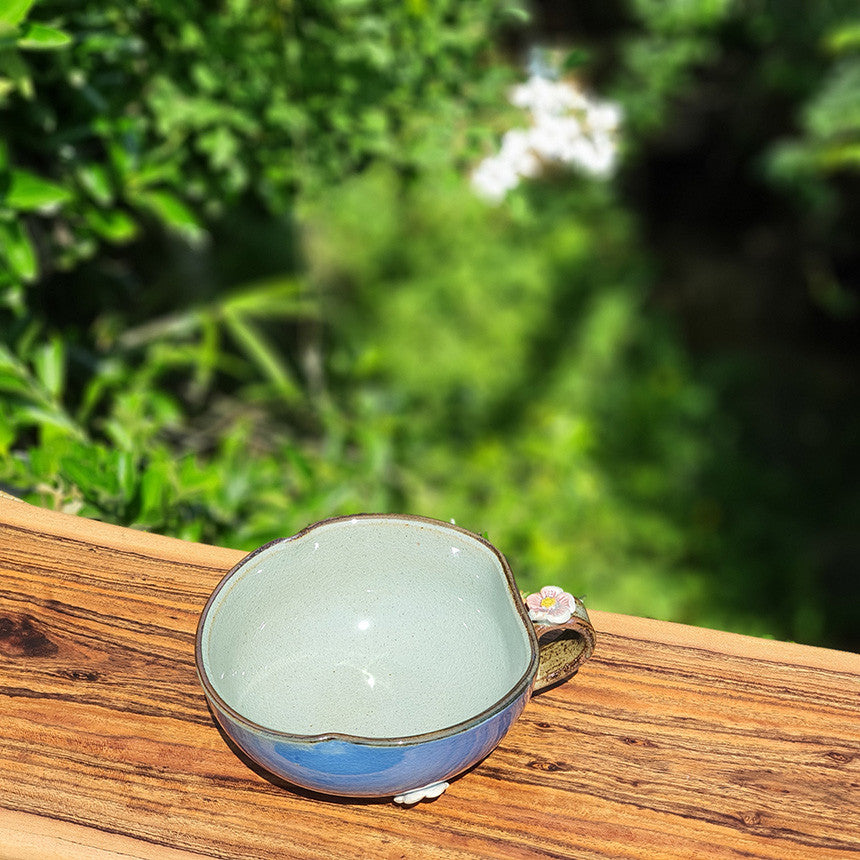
[(564, 632)]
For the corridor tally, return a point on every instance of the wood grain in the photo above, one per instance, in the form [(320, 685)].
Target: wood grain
[(671, 742)]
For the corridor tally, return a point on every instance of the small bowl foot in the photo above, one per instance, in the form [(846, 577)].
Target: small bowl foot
[(429, 792)]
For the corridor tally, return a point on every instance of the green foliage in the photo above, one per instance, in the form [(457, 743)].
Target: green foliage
[(245, 285), (135, 121), (119, 118), (556, 412), (674, 39), (811, 165), (830, 126)]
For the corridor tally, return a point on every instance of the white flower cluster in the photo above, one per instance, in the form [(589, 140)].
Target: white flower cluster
[(567, 128)]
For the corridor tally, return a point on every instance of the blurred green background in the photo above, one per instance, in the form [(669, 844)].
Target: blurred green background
[(246, 284)]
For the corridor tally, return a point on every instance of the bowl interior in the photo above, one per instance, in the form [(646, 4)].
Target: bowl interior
[(373, 627)]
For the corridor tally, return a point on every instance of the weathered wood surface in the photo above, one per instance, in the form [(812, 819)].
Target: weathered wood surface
[(672, 742)]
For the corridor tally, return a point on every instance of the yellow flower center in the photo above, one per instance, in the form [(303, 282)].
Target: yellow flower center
[(547, 602)]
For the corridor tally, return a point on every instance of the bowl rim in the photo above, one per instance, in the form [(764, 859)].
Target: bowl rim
[(520, 687)]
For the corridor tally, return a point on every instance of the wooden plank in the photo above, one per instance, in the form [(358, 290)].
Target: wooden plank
[(31, 837), (672, 742)]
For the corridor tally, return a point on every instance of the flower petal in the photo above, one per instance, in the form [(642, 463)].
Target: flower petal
[(533, 602), (558, 614)]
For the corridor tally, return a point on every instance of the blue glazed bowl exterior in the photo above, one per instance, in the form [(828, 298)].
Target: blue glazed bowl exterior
[(350, 767)]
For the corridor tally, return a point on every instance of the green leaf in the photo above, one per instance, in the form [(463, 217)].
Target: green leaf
[(39, 37), (276, 297), (51, 418), (96, 182), (153, 492), (126, 473), (840, 156), (173, 213), (517, 13), (112, 224), (7, 86), (845, 38), (835, 110), (16, 247), (28, 192), (16, 74), (86, 470), (11, 383), (50, 363), (13, 12), (262, 354), (221, 145), (7, 359), (576, 58)]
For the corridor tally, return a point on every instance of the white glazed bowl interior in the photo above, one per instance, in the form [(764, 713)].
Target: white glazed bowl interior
[(373, 627)]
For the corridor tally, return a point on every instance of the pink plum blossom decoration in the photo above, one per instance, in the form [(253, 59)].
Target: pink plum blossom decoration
[(552, 605)]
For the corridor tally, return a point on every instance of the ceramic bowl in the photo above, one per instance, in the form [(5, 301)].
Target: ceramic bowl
[(379, 655)]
